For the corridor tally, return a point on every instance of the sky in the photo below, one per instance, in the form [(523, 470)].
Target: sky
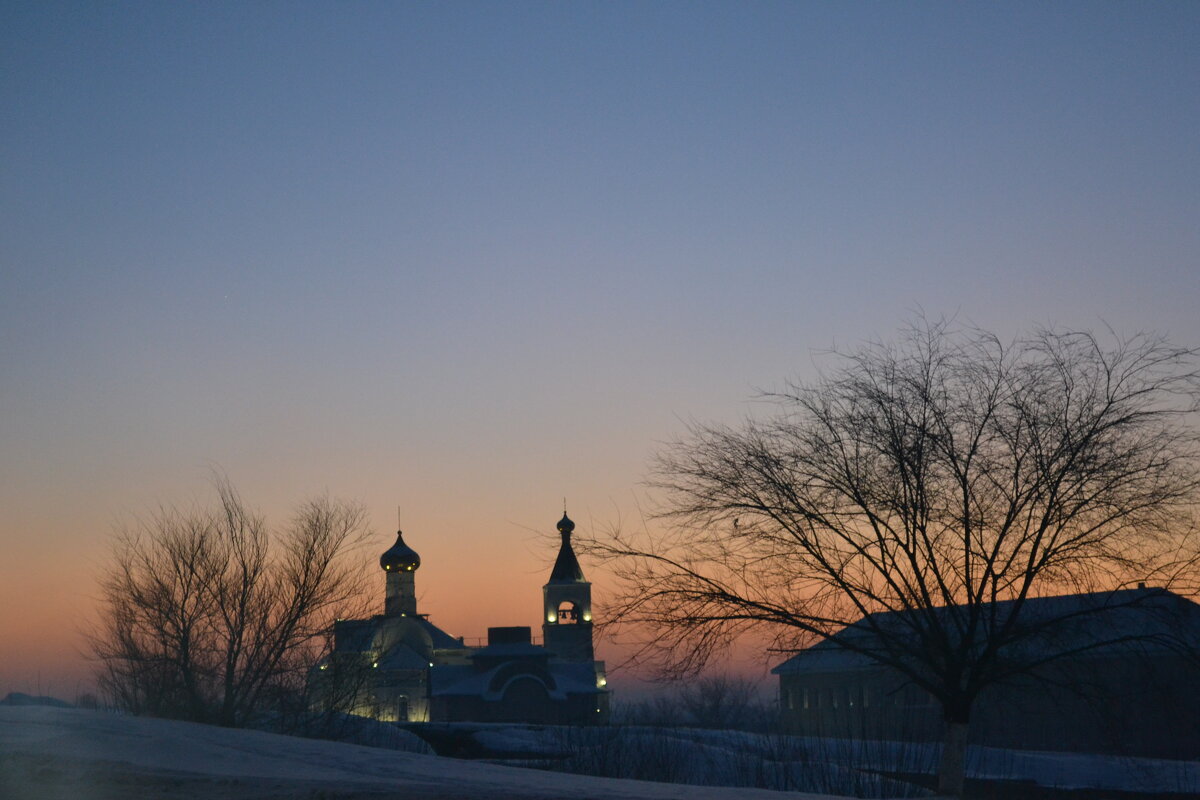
[(470, 259)]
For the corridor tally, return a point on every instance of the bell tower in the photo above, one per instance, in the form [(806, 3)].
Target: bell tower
[(399, 562), (567, 604)]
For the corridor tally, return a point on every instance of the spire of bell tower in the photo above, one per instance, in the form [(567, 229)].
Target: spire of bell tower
[(566, 566)]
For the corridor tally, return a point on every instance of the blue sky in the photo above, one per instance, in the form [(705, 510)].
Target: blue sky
[(471, 258)]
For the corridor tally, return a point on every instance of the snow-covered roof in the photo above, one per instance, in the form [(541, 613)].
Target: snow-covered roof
[(402, 656), (358, 635), (1095, 622), (441, 639)]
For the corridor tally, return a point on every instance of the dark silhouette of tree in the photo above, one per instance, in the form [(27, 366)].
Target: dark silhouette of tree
[(948, 477), (209, 616), (721, 701)]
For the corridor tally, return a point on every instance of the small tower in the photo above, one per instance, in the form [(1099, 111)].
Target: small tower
[(567, 606), (400, 562)]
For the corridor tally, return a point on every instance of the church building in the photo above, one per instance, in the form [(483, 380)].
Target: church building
[(398, 666)]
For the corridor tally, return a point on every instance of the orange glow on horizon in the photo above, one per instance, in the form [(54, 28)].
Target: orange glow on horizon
[(465, 585)]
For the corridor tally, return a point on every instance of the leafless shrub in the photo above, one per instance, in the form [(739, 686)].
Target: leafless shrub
[(208, 616)]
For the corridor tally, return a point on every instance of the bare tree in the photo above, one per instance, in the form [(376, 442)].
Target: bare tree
[(722, 701), (717, 700), (946, 478), (207, 616)]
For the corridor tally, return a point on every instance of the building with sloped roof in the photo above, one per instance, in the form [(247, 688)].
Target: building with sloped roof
[(398, 666), (1129, 684)]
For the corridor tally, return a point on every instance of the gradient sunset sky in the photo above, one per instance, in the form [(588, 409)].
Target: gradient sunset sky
[(472, 258)]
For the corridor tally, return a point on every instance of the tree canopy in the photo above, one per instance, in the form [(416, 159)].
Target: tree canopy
[(934, 477)]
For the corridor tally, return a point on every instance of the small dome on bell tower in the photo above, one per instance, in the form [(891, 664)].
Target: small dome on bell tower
[(399, 557), (566, 566)]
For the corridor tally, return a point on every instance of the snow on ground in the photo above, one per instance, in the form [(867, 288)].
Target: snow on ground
[(1058, 770), (1086, 771), (819, 765), (52, 753), (690, 755)]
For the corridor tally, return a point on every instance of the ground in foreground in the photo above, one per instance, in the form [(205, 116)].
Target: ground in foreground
[(56, 754)]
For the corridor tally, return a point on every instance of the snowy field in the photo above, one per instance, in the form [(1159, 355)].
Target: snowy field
[(61, 754), (68, 754), (733, 758)]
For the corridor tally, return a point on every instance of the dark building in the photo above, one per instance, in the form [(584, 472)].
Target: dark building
[(1131, 685), (513, 680), (399, 666)]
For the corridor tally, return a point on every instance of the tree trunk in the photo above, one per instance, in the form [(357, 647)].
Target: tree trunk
[(952, 769)]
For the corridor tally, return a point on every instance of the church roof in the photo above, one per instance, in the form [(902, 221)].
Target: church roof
[(358, 635), (402, 656), (566, 566), (441, 639)]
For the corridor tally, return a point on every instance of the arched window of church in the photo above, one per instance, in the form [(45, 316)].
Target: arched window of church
[(568, 613)]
